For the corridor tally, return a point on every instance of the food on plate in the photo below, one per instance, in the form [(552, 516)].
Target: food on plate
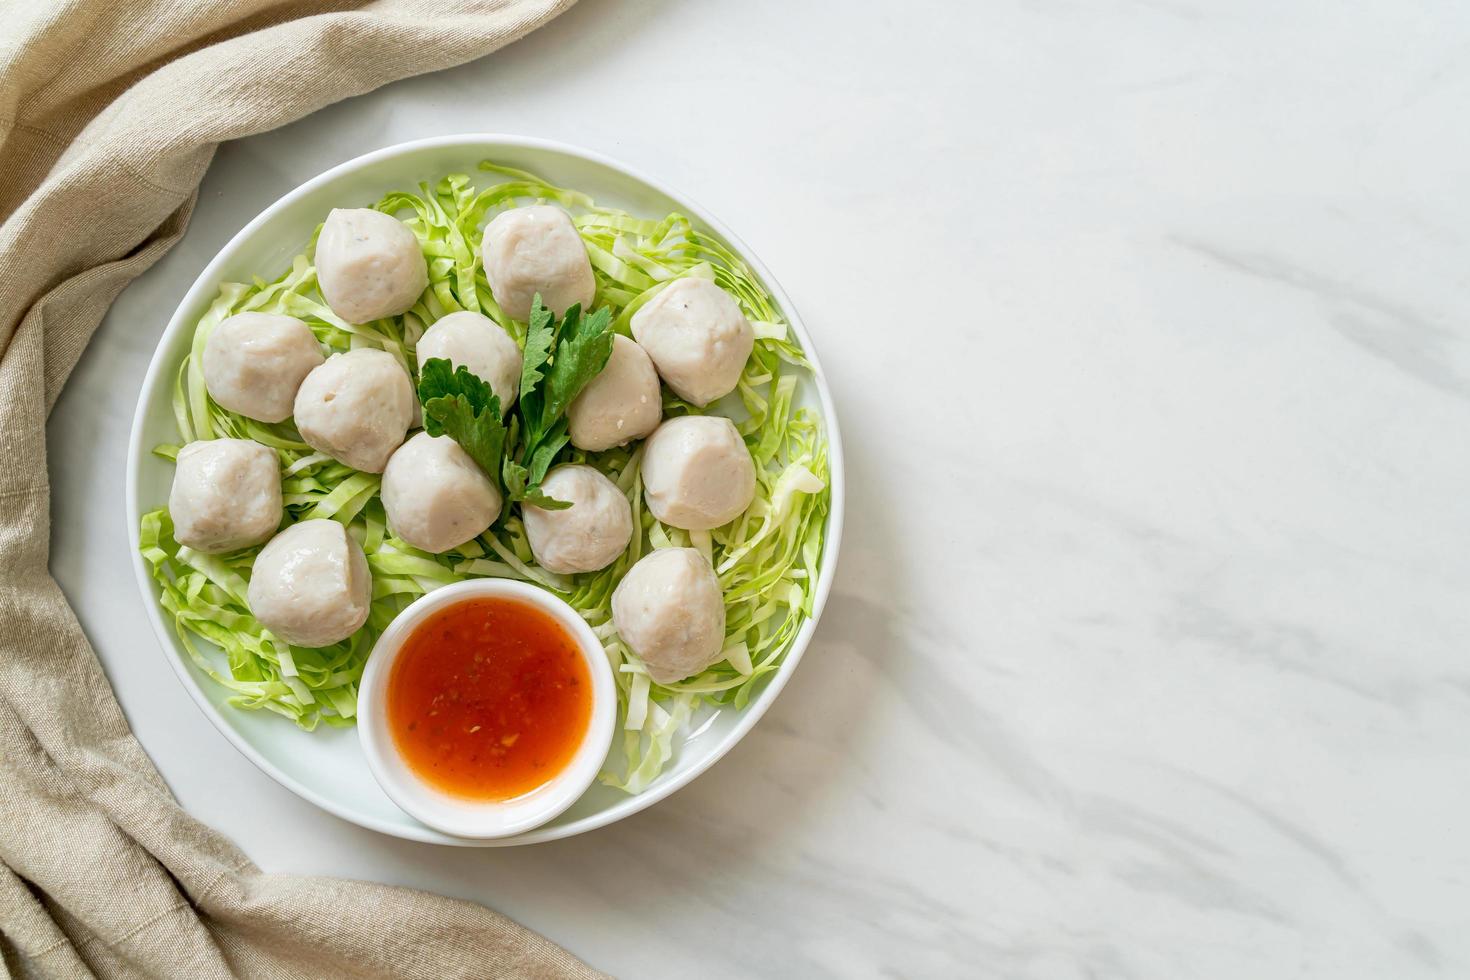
[(697, 338), (435, 496), (310, 584), (619, 405), (226, 495), (478, 343), (356, 408), (536, 250), (489, 699), (668, 609), (369, 265), (752, 502), (588, 535), (254, 362), (697, 472)]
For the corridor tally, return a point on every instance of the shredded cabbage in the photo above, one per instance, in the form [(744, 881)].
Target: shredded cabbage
[(767, 560)]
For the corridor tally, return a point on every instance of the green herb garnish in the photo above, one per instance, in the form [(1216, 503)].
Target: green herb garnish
[(460, 405), (557, 363)]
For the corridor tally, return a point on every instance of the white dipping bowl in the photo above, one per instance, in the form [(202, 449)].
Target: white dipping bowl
[(483, 819)]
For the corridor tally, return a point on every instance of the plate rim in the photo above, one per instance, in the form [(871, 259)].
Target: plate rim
[(207, 282)]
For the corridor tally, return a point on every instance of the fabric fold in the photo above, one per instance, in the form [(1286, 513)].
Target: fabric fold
[(109, 116)]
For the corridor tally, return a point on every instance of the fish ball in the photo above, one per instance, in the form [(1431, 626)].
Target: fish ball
[(697, 337), (436, 496), (226, 495), (356, 408), (697, 473), (534, 250), (619, 405), (669, 610), (479, 345), (254, 362), (369, 265), (310, 585), (586, 536)]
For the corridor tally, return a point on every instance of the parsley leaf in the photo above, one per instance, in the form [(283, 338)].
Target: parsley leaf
[(519, 486), (556, 364), (536, 497), (458, 404), (516, 477), (540, 335), (559, 361), (582, 350)]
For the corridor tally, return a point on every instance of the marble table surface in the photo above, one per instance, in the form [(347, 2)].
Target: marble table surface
[(1149, 323)]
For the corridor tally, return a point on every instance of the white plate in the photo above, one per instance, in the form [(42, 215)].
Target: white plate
[(327, 766)]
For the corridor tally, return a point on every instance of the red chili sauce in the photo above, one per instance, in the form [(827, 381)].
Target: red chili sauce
[(489, 699)]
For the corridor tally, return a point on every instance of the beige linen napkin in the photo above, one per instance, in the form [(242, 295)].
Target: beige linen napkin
[(109, 113)]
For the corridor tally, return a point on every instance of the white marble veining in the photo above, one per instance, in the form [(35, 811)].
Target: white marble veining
[(1149, 321)]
